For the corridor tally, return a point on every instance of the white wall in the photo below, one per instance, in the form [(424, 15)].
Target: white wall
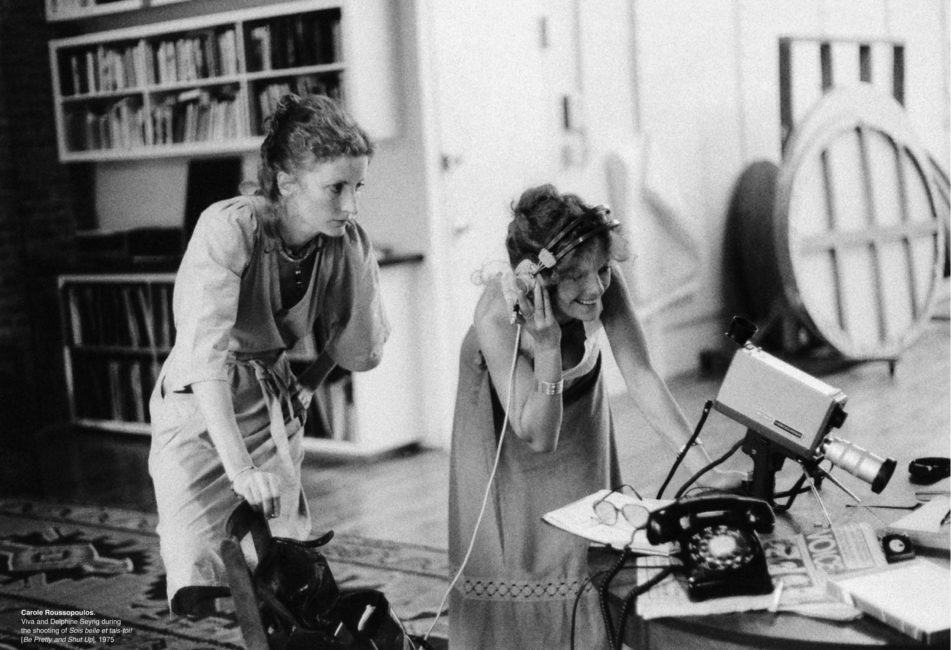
[(136, 193), (708, 89)]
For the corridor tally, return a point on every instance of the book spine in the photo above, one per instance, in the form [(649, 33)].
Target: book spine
[(886, 617), (875, 611), (75, 316)]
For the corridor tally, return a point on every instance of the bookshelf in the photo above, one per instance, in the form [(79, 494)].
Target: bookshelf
[(117, 332), (118, 329), (201, 85)]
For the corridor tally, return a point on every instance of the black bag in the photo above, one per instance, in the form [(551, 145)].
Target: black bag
[(296, 575), (302, 607)]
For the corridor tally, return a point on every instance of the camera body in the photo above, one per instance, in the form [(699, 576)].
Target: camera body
[(789, 414), (792, 409)]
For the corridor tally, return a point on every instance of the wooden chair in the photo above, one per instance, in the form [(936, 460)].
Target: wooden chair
[(246, 521), (243, 521)]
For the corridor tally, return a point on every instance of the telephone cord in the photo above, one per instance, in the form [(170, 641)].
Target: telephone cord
[(488, 486), (588, 582), (631, 599), (603, 593)]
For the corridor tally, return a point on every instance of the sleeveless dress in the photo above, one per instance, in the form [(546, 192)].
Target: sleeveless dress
[(231, 325), (522, 580)]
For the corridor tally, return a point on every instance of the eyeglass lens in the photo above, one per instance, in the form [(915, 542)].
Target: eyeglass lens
[(635, 514)]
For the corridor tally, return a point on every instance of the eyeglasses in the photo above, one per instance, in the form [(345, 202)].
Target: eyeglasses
[(634, 513)]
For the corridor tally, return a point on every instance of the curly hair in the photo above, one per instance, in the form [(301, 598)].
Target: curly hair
[(303, 130), (543, 211)]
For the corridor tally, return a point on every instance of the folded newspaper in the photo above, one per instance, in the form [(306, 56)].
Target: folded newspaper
[(801, 563), (579, 518)]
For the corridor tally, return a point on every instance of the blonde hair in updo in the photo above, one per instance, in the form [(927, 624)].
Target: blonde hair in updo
[(303, 130), (542, 211)]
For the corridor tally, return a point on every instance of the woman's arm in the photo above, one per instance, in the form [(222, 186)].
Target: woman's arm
[(261, 489), (314, 375), (207, 290), (644, 384), (534, 415)]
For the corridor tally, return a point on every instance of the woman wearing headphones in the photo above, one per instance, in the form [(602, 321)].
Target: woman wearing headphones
[(520, 583)]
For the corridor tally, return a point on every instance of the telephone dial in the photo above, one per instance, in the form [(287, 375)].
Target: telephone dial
[(721, 554)]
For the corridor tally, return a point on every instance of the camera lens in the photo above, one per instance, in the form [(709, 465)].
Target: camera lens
[(855, 460)]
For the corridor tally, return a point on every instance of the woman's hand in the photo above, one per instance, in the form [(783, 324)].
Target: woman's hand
[(539, 318), (305, 397), (260, 489)]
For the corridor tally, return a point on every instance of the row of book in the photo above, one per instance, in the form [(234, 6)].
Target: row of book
[(130, 315), (199, 56), (284, 42), (193, 116), (110, 388), (204, 55), (104, 69), (293, 41), (314, 84), (120, 125), (197, 116)]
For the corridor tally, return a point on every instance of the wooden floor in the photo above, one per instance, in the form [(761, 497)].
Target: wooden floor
[(403, 497)]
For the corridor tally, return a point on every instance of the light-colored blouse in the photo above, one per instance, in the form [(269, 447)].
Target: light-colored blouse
[(227, 297)]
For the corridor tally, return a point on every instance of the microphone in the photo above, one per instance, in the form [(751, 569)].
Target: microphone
[(859, 462)]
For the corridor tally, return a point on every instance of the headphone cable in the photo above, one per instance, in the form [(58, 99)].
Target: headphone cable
[(488, 486)]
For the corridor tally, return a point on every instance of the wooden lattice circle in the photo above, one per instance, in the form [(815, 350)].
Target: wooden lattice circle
[(858, 236)]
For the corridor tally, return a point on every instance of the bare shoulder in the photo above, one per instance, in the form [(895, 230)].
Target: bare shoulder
[(491, 312), (494, 328)]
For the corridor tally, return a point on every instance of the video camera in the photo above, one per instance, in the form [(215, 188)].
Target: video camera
[(789, 414)]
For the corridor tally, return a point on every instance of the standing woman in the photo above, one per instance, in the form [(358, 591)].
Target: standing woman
[(261, 272), (523, 577)]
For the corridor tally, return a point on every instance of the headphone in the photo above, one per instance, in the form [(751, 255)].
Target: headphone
[(559, 245)]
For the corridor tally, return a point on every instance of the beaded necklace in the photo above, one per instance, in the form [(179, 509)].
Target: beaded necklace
[(297, 259)]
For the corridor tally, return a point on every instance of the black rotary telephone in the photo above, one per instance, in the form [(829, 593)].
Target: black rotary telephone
[(721, 553)]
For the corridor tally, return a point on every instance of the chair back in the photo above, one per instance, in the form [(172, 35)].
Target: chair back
[(242, 522)]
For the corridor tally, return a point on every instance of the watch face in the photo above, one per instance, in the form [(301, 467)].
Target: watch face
[(897, 547), (720, 547)]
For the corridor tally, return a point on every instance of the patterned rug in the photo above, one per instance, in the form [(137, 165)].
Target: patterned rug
[(77, 577)]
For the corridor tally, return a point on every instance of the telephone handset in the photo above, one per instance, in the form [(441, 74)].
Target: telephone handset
[(721, 554)]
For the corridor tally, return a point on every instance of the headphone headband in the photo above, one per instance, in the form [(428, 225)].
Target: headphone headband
[(548, 258), (611, 225)]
